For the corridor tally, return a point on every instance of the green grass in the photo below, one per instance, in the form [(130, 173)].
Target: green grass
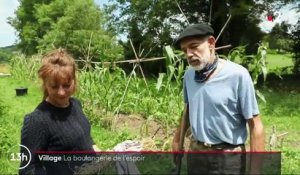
[(13, 113), (277, 61), (282, 111)]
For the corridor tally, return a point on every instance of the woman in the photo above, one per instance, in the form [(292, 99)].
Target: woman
[(58, 123)]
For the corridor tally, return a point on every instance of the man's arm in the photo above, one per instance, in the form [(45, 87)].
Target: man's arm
[(257, 143), (257, 135)]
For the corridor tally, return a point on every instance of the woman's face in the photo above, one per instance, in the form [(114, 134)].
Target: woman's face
[(59, 91)]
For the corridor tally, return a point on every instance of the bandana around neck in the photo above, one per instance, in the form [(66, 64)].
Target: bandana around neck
[(203, 75)]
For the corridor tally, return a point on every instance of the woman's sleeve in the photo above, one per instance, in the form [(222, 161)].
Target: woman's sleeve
[(34, 138), (89, 125)]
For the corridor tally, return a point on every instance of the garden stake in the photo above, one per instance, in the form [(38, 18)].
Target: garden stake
[(181, 141)]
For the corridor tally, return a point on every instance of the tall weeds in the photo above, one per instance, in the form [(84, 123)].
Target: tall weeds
[(23, 67), (107, 91)]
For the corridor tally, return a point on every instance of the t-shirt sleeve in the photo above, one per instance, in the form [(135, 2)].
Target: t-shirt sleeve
[(247, 101), (33, 137)]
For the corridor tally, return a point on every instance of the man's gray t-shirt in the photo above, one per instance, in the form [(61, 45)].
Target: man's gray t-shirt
[(219, 107)]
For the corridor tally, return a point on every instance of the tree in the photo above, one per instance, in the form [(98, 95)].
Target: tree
[(4, 55), (279, 38), (77, 25), (296, 44), (243, 28), (153, 24), (26, 24), (296, 48)]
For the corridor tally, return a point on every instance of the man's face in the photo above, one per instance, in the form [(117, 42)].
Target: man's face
[(199, 51)]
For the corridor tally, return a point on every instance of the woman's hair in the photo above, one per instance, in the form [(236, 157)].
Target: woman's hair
[(57, 65)]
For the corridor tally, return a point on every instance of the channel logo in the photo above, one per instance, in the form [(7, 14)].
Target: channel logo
[(15, 157)]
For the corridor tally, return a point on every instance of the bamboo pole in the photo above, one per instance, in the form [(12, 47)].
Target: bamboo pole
[(223, 28), (147, 59), (182, 13), (210, 11)]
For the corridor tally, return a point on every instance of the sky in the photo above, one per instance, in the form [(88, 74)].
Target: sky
[(8, 35)]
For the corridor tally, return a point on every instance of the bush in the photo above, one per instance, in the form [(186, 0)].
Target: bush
[(4, 56)]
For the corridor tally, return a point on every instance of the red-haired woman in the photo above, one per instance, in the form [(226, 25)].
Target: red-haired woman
[(58, 123)]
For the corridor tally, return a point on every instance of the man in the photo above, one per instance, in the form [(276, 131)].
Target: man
[(220, 101)]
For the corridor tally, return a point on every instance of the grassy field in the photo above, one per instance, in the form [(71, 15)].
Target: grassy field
[(276, 61), (280, 115)]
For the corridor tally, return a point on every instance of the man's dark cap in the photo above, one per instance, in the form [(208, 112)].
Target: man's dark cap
[(194, 30)]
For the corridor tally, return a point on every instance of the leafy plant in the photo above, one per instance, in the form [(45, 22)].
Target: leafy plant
[(23, 67)]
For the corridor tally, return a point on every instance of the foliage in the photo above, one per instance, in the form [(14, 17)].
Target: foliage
[(105, 92), (4, 55), (279, 38), (281, 41), (279, 64), (159, 100), (109, 91), (27, 25), (296, 48), (100, 89), (77, 25), (23, 67), (154, 24), (282, 111)]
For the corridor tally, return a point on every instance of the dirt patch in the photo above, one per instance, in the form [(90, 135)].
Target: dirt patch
[(143, 127), (151, 133)]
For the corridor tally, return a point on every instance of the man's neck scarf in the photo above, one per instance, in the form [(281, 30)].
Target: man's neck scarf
[(204, 74)]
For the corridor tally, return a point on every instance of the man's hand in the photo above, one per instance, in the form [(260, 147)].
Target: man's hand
[(175, 147), (177, 156), (178, 140)]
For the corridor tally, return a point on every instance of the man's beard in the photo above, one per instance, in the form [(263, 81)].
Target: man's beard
[(202, 65)]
